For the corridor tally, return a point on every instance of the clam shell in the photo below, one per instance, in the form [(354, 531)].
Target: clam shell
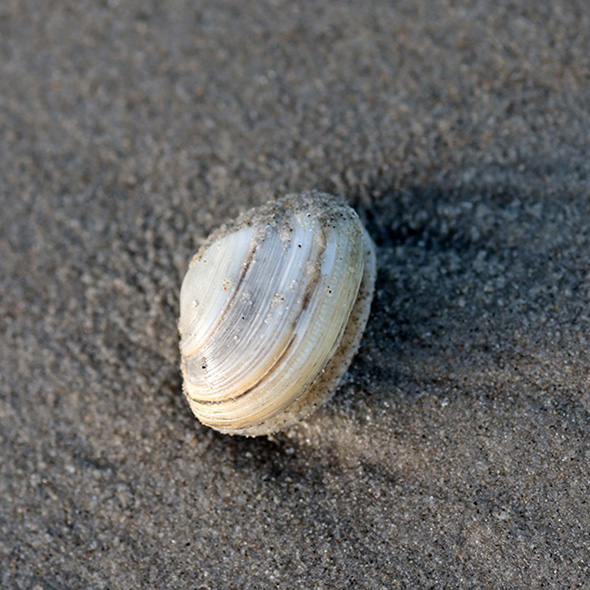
[(272, 310)]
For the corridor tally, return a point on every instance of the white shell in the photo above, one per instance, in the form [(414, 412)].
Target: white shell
[(272, 310)]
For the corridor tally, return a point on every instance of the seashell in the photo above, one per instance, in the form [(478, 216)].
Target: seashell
[(272, 310)]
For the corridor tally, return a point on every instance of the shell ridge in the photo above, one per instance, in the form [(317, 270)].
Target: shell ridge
[(294, 256), (295, 312), (323, 386), (247, 391), (329, 340)]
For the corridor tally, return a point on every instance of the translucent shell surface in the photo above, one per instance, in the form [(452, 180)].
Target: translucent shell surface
[(272, 310)]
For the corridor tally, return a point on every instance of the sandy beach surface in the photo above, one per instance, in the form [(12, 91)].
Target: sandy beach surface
[(456, 451)]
